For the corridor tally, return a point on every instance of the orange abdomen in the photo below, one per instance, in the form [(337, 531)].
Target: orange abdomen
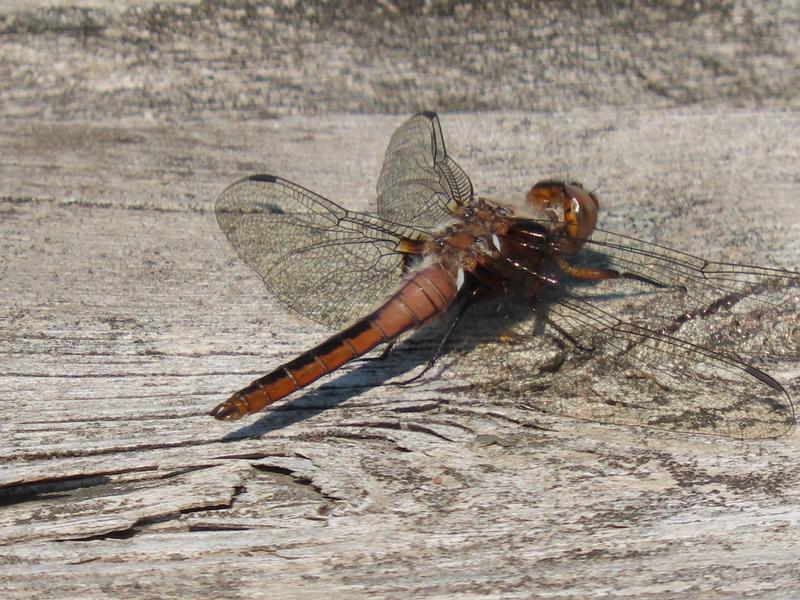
[(428, 293)]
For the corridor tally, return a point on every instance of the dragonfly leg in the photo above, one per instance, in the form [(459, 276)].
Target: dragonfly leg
[(382, 356), (592, 274), (588, 273), (473, 294)]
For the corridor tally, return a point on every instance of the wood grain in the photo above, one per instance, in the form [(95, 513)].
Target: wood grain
[(125, 317)]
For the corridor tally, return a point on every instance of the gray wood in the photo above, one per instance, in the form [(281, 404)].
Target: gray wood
[(125, 317)]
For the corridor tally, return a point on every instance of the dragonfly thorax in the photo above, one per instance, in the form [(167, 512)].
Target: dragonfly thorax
[(475, 236)]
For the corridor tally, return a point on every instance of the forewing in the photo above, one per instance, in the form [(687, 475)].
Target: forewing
[(704, 282), (695, 288), (321, 261), (420, 184)]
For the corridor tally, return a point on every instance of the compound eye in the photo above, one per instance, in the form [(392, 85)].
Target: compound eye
[(581, 216), (576, 190), (577, 207), (545, 195)]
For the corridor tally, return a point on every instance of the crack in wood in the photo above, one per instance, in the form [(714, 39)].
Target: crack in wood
[(420, 408), (298, 478), (15, 493), (138, 525), (428, 431), (107, 451)]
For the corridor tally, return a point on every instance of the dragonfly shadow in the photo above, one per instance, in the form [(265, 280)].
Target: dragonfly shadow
[(368, 374), (481, 323)]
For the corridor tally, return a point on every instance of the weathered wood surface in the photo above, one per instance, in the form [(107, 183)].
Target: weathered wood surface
[(125, 317)]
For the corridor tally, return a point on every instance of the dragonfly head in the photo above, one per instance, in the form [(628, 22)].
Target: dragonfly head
[(571, 209)]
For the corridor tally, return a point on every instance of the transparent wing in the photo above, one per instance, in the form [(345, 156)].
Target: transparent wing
[(622, 374), (321, 261), (628, 352), (695, 288), (420, 184), (703, 281), (658, 380)]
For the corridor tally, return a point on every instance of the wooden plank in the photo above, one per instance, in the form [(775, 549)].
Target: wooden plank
[(126, 316)]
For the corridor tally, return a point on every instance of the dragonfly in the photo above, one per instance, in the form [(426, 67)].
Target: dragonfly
[(435, 251)]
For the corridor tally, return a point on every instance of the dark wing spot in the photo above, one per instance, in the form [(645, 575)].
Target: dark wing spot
[(265, 178)]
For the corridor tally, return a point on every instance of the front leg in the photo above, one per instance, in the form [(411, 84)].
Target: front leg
[(592, 274)]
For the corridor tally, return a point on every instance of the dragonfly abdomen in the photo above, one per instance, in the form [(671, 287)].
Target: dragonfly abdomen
[(425, 295)]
